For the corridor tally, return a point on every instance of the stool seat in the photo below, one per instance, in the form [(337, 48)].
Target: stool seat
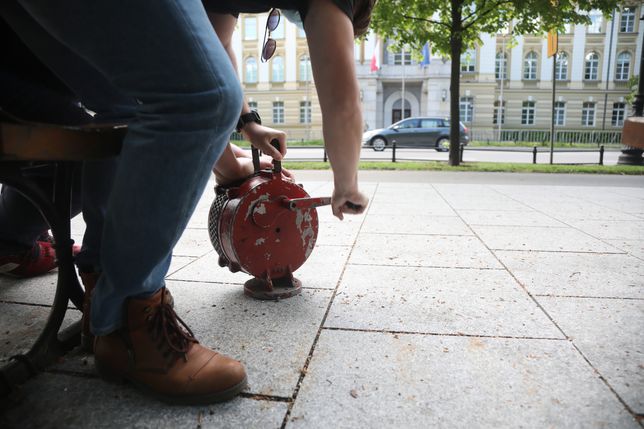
[(36, 142)]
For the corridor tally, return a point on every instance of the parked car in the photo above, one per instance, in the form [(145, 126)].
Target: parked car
[(414, 132)]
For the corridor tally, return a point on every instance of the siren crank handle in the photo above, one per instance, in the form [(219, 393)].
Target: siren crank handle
[(309, 203), (277, 165)]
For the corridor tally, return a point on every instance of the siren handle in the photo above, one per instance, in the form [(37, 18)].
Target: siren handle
[(277, 165)]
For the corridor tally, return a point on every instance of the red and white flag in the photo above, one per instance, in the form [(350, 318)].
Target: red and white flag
[(375, 58)]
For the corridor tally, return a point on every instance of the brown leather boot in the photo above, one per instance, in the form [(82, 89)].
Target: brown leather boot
[(158, 353), (89, 280)]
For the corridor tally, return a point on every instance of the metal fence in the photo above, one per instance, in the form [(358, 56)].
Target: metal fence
[(567, 136)]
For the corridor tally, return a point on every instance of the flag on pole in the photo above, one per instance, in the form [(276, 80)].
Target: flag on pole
[(375, 58), (425, 61)]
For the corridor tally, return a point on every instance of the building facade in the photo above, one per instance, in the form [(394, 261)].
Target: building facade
[(506, 82)]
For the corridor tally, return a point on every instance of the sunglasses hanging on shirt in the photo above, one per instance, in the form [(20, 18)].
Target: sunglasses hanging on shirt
[(270, 44)]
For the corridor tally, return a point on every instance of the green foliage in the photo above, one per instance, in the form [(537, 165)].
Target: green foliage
[(414, 22)]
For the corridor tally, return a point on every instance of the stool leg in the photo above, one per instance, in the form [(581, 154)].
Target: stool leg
[(50, 343)]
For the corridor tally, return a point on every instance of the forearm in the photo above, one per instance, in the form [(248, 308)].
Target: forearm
[(337, 87)]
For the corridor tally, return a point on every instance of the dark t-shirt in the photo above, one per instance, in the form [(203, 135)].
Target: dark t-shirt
[(235, 7)]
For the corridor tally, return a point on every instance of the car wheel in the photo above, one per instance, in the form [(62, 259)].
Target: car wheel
[(379, 144), (442, 144)]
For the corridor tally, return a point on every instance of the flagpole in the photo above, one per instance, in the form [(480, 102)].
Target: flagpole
[(402, 115)]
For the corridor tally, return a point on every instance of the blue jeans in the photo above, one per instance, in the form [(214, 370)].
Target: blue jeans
[(166, 55)]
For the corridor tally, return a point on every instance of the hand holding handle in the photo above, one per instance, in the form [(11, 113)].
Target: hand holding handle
[(277, 165)]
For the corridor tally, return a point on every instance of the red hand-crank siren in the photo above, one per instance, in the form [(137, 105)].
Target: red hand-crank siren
[(267, 227)]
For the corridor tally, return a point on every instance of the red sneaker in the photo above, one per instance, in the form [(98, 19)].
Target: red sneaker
[(36, 261)]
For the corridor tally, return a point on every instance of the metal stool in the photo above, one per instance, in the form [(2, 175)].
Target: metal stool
[(27, 146)]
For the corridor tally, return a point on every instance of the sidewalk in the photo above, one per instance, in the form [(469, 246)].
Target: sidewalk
[(478, 301)]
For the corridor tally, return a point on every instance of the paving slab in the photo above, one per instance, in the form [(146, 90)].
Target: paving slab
[(272, 339), (434, 207), (422, 250), (632, 247), (64, 401), (609, 333), (415, 224), (540, 238), (331, 258), (437, 300), (338, 233), (36, 290), (193, 242), (576, 274), (414, 381), (21, 325), (612, 229), (508, 218)]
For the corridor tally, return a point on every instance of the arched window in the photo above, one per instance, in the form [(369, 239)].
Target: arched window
[(278, 69), (561, 68), (305, 68), (591, 66), (251, 70), (530, 66), (623, 68), (501, 66)]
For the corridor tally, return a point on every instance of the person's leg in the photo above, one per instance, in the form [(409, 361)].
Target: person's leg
[(165, 54)]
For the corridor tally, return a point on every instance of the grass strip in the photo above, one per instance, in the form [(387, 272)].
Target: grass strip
[(477, 166)]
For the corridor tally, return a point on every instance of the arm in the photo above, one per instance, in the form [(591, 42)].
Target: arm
[(330, 38)]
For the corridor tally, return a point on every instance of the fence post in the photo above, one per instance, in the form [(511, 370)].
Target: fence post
[(462, 149), (534, 154), (324, 156), (601, 155), (393, 151)]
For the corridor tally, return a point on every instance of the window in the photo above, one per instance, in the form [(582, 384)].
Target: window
[(588, 114), (467, 109), (619, 113), (305, 112), (530, 66), (623, 66), (561, 67), (627, 20), (430, 123), (305, 68), (495, 118), (251, 70), (527, 113), (250, 28), (277, 68), (591, 66), (468, 61), (252, 105), (501, 66), (596, 21), (398, 58), (278, 112), (560, 113), (408, 123)]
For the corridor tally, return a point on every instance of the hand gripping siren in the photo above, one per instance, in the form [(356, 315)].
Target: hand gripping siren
[(265, 226)]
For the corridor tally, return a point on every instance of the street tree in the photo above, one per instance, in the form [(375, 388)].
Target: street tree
[(453, 26)]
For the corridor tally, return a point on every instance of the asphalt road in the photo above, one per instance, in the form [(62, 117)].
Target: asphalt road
[(482, 154)]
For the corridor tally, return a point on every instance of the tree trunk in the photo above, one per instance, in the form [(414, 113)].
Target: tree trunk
[(456, 42)]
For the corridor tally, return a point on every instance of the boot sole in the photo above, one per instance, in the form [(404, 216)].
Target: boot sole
[(201, 399)]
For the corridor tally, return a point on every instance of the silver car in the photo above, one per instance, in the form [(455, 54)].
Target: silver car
[(414, 132)]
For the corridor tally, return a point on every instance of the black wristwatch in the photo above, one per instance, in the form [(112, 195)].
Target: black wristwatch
[(244, 119)]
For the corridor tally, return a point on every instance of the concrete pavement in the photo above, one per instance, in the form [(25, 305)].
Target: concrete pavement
[(457, 300)]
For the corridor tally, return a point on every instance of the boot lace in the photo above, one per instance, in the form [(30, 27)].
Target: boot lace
[(174, 335)]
